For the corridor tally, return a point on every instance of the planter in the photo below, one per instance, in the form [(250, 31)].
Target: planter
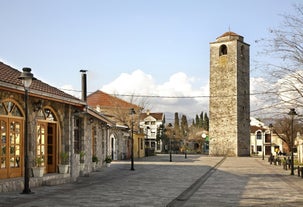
[(63, 169), (108, 164), (82, 165), (38, 172), (94, 166)]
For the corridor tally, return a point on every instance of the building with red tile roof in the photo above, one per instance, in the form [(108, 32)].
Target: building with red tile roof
[(118, 111), (58, 123), (9, 81), (262, 140), (109, 105)]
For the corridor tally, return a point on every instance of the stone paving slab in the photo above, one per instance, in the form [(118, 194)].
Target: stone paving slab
[(249, 182), (156, 182)]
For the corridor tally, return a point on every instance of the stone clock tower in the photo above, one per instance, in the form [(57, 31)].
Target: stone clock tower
[(229, 110)]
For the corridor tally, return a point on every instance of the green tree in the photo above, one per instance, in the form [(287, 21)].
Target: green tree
[(184, 126), (177, 125), (201, 121), (206, 122), (197, 121)]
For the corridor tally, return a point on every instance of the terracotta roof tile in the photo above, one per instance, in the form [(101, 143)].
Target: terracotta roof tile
[(157, 116), (253, 129), (229, 34), (112, 107), (104, 100), (9, 78)]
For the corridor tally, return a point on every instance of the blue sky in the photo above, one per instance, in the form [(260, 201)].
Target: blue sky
[(131, 46)]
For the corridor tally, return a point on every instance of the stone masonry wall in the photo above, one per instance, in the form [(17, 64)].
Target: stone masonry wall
[(229, 108)]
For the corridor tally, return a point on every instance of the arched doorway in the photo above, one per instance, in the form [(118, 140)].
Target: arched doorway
[(11, 143), (113, 147), (46, 139)]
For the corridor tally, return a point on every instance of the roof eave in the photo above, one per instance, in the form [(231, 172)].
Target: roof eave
[(36, 93)]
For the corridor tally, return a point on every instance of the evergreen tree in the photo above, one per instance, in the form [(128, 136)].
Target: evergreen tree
[(177, 125), (201, 120), (184, 126), (206, 122), (197, 121)]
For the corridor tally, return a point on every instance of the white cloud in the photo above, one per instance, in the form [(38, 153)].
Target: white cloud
[(177, 94), (136, 83), (260, 96), (70, 90), (170, 96), (271, 100), (288, 88)]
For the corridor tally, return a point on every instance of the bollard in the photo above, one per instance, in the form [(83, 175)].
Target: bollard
[(185, 155), (299, 171)]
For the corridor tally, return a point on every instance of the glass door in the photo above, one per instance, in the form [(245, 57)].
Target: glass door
[(11, 148), (41, 142), (51, 148)]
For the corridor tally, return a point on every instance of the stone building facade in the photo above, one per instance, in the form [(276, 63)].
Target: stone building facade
[(118, 111), (229, 107), (58, 123)]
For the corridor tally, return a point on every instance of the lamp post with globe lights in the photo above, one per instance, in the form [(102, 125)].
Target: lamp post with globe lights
[(271, 127), (27, 77), (292, 113), (132, 112)]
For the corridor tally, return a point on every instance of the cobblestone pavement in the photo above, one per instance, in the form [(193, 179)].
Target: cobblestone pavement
[(195, 181)]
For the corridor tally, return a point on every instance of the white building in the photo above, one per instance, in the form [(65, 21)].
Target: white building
[(299, 144), (152, 123), (262, 140)]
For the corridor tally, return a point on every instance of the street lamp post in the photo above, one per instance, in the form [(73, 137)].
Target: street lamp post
[(26, 77), (263, 149), (170, 156), (132, 112), (147, 140), (292, 114), (203, 135), (270, 130)]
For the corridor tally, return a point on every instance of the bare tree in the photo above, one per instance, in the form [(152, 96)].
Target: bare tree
[(141, 101), (121, 105), (285, 71), (283, 129)]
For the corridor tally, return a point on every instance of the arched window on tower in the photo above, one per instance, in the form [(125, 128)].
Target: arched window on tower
[(223, 50)]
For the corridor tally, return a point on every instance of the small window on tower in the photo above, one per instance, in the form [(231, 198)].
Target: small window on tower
[(223, 50)]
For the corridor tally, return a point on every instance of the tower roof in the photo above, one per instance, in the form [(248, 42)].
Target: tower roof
[(229, 33), (230, 36)]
